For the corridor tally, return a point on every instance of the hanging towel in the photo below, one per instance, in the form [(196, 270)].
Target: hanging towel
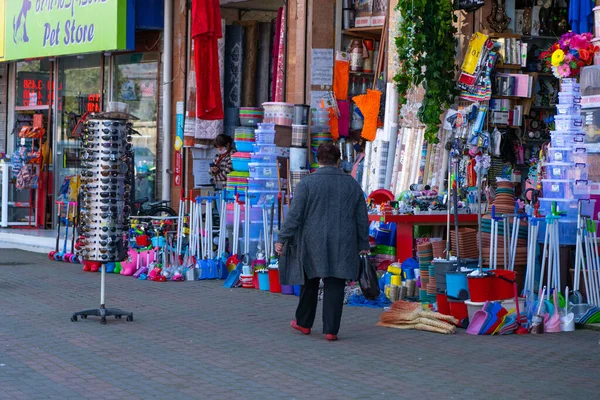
[(368, 104), (206, 30), (234, 50), (344, 121)]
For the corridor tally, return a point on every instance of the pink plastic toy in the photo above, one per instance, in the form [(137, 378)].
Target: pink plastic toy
[(129, 267)]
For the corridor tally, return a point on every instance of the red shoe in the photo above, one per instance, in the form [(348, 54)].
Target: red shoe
[(331, 337), (297, 327)]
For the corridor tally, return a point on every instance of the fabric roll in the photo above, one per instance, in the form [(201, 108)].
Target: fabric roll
[(382, 165), (264, 62), (250, 63), (275, 58), (365, 177), (397, 160), (207, 129), (281, 60), (234, 50)]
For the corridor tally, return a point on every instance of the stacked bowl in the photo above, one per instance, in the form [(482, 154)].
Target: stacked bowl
[(244, 139), (251, 116)]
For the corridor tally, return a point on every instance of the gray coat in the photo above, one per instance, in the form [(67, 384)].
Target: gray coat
[(325, 229)]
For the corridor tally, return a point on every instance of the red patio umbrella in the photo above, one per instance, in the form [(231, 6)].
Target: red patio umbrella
[(206, 30)]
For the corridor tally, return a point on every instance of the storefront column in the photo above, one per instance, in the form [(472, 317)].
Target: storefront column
[(179, 61), (296, 52)]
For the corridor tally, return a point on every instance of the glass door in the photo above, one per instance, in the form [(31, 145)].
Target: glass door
[(78, 91), (135, 82)]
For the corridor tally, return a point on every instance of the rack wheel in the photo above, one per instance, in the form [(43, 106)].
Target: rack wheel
[(129, 318), (117, 316), (103, 320), (74, 318), (84, 317)]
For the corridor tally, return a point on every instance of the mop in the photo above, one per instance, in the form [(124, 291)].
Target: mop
[(221, 259), (247, 224), (532, 235), (588, 273), (514, 239), (596, 270), (506, 242), (493, 240)]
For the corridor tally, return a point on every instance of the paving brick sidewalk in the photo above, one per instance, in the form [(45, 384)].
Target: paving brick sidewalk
[(199, 340)]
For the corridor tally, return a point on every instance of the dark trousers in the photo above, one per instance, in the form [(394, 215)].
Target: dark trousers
[(333, 303)]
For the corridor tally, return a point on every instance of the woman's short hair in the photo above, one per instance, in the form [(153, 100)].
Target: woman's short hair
[(328, 154), (223, 141)]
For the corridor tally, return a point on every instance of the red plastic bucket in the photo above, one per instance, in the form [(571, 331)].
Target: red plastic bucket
[(481, 288), (458, 309), (442, 304), (274, 285), (503, 284)]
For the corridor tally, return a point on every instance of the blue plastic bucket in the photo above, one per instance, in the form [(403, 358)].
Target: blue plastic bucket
[(287, 289), (456, 285), (263, 281)]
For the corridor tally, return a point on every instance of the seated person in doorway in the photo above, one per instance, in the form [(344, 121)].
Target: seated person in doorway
[(222, 165)]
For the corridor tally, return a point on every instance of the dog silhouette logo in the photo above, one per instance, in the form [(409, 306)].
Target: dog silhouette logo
[(20, 23)]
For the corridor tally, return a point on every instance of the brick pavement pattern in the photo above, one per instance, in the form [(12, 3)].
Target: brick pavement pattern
[(198, 340)]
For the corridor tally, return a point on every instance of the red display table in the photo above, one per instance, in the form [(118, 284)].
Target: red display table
[(406, 223)]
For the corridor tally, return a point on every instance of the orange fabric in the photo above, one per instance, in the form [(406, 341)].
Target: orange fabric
[(368, 104), (334, 125), (341, 75)]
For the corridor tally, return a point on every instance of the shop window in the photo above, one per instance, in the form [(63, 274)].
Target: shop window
[(135, 82)]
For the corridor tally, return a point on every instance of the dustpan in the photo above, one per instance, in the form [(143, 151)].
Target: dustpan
[(478, 320), (553, 324), (498, 322), (493, 309), (232, 279)]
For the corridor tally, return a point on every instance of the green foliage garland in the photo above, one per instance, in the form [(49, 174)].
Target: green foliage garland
[(426, 48)]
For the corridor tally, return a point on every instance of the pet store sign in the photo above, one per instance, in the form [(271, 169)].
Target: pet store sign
[(42, 28)]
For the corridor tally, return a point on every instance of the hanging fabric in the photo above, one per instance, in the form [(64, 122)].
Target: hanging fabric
[(206, 30)]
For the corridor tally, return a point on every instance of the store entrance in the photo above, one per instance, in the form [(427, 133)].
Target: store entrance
[(78, 90)]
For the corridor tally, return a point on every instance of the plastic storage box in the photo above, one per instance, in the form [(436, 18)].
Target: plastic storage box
[(568, 99), (263, 184), (260, 197), (568, 206), (265, 138), (265, 148), (579, 155), (262, 171), (582, 189), (557, 188), (568, 122), (567, 231), (558, 170), (568, 109), (566, 139), (559, 154), (580, 172), (264, 157)]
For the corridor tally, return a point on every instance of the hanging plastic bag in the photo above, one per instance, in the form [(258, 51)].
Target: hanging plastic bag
[(367, 279)]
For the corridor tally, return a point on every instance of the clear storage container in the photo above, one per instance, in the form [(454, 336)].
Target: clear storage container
[(568, 109), (264, 157), (579, 155), (263, 184), (567, 207), (582, 189), (566, 138), (265, 138), (557, 188), (559, 154), (262, 171), (568, 99), (558, 170), (568, 122), (580, 172)]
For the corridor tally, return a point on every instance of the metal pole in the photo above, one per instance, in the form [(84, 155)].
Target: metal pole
[(167, 97)]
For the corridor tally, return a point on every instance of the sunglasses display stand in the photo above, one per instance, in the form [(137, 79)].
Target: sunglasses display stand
[(107, 169)]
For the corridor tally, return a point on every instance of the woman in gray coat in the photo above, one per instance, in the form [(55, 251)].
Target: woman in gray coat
[(325, 231)]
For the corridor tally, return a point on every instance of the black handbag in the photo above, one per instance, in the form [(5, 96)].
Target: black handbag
[(367, 279)]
